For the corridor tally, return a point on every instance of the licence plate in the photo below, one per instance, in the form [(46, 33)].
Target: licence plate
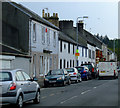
[(52, 81), (102, 71)]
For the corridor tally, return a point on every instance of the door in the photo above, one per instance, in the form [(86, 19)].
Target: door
[(31, 86), (21, 83)]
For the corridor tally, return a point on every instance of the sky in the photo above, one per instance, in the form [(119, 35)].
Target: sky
[(102, 15)]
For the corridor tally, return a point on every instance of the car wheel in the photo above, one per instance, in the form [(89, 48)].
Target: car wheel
[(76, 81), (20, 101), (86, 77), (114, 76), (80, 80), (69, 82), (63, 84), (37, 98)]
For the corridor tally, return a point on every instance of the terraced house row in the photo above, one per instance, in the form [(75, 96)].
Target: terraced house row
[(39, 44)]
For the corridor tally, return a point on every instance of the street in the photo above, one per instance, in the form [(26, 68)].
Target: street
[(87, 93)]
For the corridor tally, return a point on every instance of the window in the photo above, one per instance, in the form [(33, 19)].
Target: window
[(60, 45), (70, 63), (67, 64), (68, 47), (73, 49), (73, 63), (64, 63), (43, 35), (26, 76), (60, 63), (48, 37), (93, 54), (19, 76), (86, 52), (82, 52), (5, 76), (34, 64), (34, 32), (64, 46), (54, 41), (89, 53)]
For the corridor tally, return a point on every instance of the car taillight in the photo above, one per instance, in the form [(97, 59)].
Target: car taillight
[(92, 69), (12, 86), (74, 73)]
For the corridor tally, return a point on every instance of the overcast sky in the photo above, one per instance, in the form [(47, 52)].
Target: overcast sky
[(102, 16)]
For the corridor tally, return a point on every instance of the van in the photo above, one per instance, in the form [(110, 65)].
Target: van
[(107, 68)]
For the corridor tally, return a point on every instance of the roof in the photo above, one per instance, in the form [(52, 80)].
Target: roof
[(33, 15), (67, 38), (71, 32)]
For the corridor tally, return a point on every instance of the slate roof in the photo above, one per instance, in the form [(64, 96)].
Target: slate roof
[(71, 33), (34, 16)]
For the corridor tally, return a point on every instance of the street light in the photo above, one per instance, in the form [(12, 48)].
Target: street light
[(77, 32)]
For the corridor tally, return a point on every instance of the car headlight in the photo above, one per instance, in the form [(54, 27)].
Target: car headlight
[(46, 79), (60, 78)]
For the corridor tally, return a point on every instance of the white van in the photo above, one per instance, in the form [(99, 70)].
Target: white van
[(107, 68)]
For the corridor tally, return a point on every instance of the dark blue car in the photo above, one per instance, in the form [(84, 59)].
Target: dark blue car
[(84, 71)]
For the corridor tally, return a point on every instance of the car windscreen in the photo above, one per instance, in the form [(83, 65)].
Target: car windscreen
[(70, 70), (88, 66), (55, 72), (80, 68), (5, 76)]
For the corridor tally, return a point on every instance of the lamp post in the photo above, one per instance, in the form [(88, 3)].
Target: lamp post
[(77, 32)]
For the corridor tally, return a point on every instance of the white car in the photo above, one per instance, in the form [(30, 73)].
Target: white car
[(74, 74)]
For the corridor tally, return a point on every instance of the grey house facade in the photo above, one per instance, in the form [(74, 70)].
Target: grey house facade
[(14, 42)]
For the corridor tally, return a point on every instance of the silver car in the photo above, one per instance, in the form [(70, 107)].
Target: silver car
[(74, 74), (17, 87)]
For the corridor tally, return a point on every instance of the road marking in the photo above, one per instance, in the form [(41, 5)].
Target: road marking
[(51, 94), (68, 99), (43, 97), (85, 91), (94, 87)]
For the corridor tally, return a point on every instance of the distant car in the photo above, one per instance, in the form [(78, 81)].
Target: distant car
[(118, 69), (92, 69), (18, 87), (84, 71), (58, 76), (74, 75)]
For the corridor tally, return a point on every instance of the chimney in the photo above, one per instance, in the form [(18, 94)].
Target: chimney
[(56, 15), (45, 15), (66, 24), (43, 12), (48, 15), (53, 14), (80, 26)]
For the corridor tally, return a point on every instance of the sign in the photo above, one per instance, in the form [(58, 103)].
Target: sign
[(77, 51), (77, 54)]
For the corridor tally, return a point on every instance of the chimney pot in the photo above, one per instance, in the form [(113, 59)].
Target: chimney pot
[(46, 15), (43, 12)]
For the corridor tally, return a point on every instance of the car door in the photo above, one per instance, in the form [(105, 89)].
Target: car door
[(21, 84), (31, 86)]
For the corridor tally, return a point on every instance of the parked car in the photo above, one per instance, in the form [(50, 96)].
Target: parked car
[(92, 69), (118, 69), (74, 75), (84, 71), (58, 76), (18, 87)]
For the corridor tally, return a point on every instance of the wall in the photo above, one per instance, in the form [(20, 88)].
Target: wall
[(15, 27)]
